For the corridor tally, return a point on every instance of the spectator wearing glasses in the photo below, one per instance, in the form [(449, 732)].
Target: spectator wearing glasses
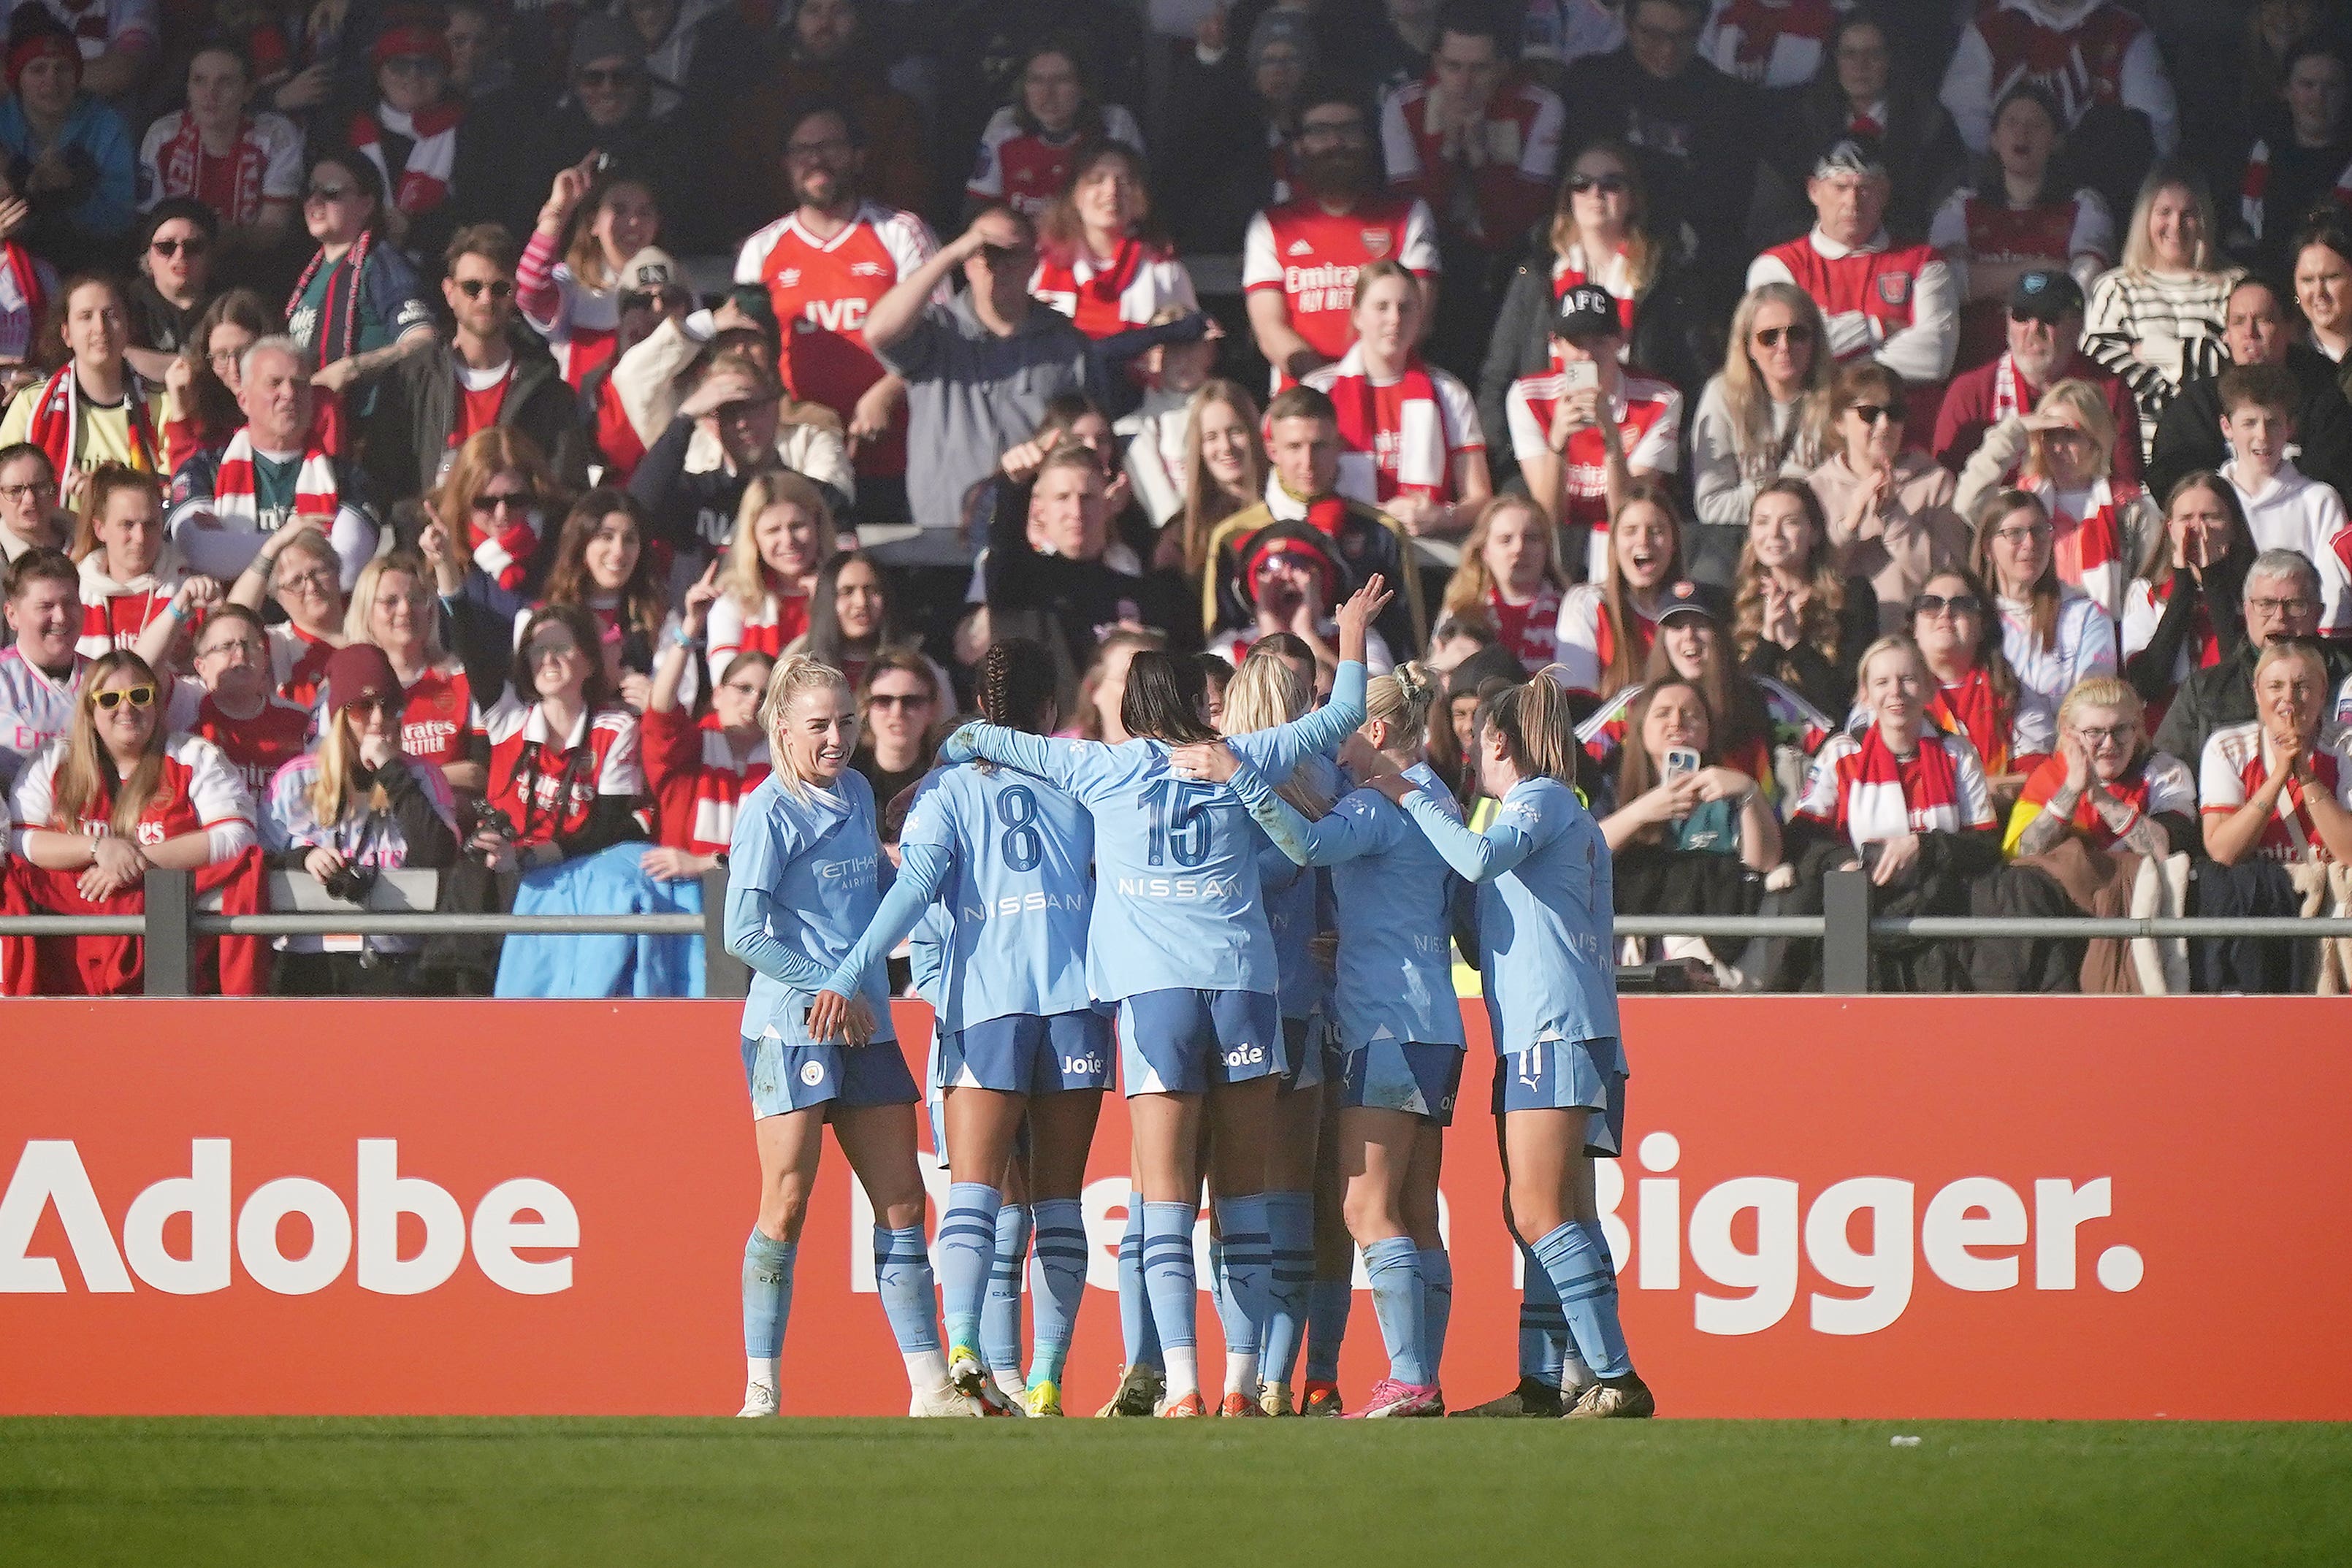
[(900, 700), (1300, 257), (243, 167), (233, 509), (493, 505), (2281, 603), (1600, 232), (2106, 785), (358, 308), (1888, 507), (2181, 613), (698, 770), (2054, 634), (1883, 300), (605, 120), (1973, 691), (168, 297), (357, 803), (413, 132), (234, 701), (66, 152), (1767, 414), (29, 517), (2016, 219), (393, 608), (301, 570), (492, 374), (2044, 331), (2060, 454)]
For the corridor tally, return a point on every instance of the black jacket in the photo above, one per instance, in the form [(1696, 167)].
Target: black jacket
[(1067, 605), (1676, 336), (2188, 436), (408, 434)]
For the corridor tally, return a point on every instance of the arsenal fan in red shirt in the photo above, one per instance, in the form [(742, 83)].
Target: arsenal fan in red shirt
[(564, 765), (233, 703), (824, 266), (246, 166), (1883, 301), (1510, 580), (1300, 259), (2044, 328), (394, 608), (698, 770), (1409, 436), (1098, 261), (784, 536), (1026, 147), (1585, 432), (2087, 54), (2280, 787), (2013, 221)]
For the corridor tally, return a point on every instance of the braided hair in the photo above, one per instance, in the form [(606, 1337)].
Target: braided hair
[(1016, 685)]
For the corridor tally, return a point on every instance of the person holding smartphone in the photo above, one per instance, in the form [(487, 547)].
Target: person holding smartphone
[(1677, 795)]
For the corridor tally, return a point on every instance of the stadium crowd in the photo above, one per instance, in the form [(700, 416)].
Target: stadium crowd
[(1913, 435)]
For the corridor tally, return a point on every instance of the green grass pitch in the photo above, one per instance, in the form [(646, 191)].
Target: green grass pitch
[(516, 1492)]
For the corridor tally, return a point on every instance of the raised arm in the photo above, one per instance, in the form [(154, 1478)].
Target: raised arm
[(1341, 836), (1275, 752), (1058, 763)]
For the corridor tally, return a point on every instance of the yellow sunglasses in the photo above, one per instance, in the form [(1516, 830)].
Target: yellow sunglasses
[(137, 696)]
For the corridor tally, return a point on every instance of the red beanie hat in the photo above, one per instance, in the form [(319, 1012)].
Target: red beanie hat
[(32, 32)]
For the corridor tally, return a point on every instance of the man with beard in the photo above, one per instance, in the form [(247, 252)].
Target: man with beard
[(829, 54), (1300, 259), (824, 266), (2045, 330)]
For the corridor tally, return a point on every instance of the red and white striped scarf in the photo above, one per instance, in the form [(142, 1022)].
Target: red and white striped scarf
[(505, 556), (423, 182), (1419, 438), (1879, 804), (316, 492), (1970, 707), (2096, 544), (2254, 193), (719, 786), (182, 167), (2008, 390), (56, 425)]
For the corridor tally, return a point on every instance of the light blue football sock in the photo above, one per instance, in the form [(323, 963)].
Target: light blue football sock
[(1290, 1229), (1328, 1303), (1220, 1285), (1168, 1281), (767, 1294), (1138, 1334), (1543, 1329), (1057, 1282), (902, 1275), (1586, 1282), (1248, 1271), (1392, 1264), (1436, 1308), (967, 1242), (1000, 1318)]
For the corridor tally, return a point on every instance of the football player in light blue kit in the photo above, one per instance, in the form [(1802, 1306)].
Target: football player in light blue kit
[(1179, 941), (1545, 919), (1399, 1026), (803, 877), (1004, 862), (1273, 686)]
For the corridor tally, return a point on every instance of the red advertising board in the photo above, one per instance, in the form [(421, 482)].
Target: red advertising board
[(1861, 1208)]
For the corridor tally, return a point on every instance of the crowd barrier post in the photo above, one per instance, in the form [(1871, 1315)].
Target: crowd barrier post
[(1845, 933), (170, 939), (723, 974)]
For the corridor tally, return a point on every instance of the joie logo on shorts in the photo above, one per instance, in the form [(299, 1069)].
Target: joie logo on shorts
[(1245, 1056), (1082, 1066)]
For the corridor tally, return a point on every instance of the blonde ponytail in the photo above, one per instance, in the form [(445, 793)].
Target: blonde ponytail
[(795, 675)]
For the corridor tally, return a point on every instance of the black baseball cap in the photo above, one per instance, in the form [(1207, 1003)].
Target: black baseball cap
[(1586, 310), (1688, 600), (2045, 294)]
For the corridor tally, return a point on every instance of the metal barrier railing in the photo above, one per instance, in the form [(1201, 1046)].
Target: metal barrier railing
[(173, 924)]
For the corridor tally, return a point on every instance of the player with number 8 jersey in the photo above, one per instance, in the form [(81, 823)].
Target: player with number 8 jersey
[(1179, 939)]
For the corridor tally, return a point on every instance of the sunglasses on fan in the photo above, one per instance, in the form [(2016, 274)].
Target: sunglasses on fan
[(137, 696)]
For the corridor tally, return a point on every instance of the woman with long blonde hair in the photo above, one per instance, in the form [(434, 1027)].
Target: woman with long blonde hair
[(1767, 413), (784, 534), (1511, 580), (356, 804), (1795, 616), (2156, 319), (117, 795), (803, 864), (1547, 962), (394, 608), (1224, 471)]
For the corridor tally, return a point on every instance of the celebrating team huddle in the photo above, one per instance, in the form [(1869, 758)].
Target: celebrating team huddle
[(1160, 897)]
